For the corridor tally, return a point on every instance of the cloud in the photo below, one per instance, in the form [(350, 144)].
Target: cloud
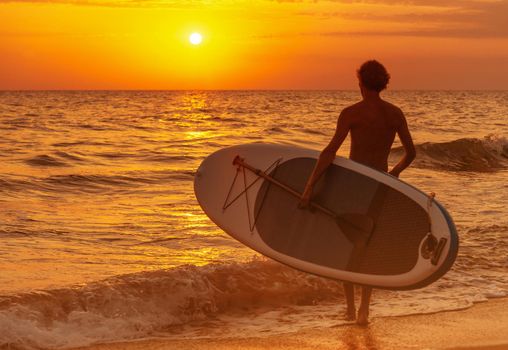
[(426, 3), (125, 3), (432, 18), (474, 19)]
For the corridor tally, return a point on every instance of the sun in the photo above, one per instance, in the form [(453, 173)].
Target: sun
[(195, 38)]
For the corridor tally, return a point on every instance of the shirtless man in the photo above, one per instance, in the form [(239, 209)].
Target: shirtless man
[(373, 123)]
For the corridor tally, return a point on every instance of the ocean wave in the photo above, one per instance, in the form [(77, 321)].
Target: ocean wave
[(69, 156), (95, 180), (312, 131), (79, 143), (96, 127), (56, 159), (164, 158), (116, 155), (104, 182), (228, 119), (466, 154), (485, 247), (274, 130), (92, 183), (137, 305), (45, 161), (260, 295)]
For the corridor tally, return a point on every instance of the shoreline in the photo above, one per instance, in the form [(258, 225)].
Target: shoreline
[(480, 327)]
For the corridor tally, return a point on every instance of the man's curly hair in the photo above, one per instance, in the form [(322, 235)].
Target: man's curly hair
[(373, 75)]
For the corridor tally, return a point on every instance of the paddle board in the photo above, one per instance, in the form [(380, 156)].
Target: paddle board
[(363, 225)]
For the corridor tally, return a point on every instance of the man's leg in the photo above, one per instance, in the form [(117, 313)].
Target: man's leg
[(349, 293), (363, 311)]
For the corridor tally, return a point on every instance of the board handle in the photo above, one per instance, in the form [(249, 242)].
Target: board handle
[(348, 221)]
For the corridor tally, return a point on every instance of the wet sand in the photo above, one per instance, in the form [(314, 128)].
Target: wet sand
[(484, 326)]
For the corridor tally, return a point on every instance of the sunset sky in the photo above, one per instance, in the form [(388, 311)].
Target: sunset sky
[(144, 44)]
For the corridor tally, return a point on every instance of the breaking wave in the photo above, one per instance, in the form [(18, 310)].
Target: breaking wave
[(137, 305), (466, 154), (168, 302)]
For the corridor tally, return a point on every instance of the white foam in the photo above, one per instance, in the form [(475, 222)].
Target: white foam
[(217, 300)]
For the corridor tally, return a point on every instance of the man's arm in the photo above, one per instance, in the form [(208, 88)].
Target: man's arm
[(407, 143), (327, 156)]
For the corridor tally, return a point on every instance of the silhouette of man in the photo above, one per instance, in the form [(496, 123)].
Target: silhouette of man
[(373, 124)]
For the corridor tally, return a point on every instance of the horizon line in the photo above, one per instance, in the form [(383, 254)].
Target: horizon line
[(232, 90)]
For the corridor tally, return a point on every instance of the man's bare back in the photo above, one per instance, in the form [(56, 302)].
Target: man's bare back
[(373, 126)]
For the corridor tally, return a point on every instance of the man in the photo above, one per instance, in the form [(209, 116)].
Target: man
[(373, 124)]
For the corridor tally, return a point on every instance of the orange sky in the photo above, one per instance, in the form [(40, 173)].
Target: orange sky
[(143, 44)]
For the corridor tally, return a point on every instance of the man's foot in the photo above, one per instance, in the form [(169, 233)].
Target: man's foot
[(350, 314), (363, 317)]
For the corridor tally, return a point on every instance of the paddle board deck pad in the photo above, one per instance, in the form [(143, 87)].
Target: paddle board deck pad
[(363, 226)]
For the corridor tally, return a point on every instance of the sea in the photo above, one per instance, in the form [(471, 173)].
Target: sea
[(102, 239)]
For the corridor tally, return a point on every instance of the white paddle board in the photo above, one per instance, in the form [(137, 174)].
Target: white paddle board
[(363, 226)]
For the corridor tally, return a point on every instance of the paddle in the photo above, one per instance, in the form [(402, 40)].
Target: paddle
[(359, 222)]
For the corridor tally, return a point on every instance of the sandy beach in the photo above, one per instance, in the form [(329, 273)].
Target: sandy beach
[(481, 327)]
